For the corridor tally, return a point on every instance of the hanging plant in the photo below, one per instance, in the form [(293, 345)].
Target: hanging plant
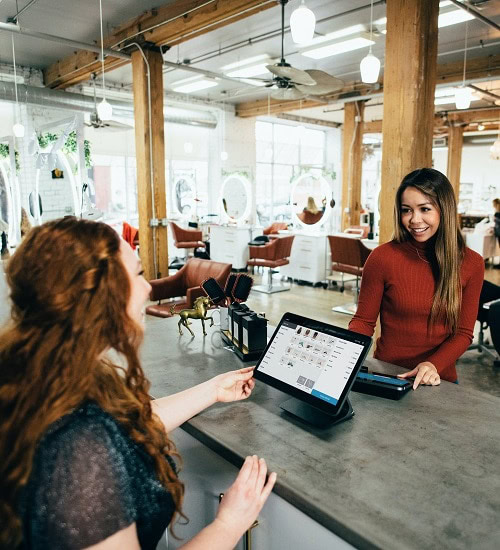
[(241, 173), (44, 140), (301, 170), (4, 153)]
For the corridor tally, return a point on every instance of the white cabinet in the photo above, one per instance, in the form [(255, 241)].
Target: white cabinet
[(281, 525), (230, 245), (308, 258)]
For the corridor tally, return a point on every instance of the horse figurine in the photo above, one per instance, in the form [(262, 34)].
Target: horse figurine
[(199, 311)]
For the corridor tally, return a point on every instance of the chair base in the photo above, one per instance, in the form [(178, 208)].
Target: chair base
[(486, 348), (270, 289), (347, 309)]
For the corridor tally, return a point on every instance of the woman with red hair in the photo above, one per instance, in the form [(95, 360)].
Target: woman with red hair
[(85, 456)]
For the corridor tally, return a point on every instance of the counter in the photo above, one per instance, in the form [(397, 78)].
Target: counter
[(422, 472)]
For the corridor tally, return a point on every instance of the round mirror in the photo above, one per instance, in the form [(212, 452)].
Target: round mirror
[(236, 198), (184, 195), (309, 200)]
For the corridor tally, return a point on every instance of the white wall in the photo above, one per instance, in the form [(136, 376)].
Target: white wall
[(477, 168)]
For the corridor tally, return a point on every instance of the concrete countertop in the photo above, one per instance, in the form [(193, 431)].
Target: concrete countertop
[(422, 472)]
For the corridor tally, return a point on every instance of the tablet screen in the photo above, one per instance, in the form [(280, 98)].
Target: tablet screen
[(313, 358)]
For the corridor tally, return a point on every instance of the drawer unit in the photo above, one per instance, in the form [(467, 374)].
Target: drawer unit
[(308, 259), (230, 245)]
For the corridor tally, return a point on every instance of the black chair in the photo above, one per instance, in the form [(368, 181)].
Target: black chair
[(490, 294), (494, 323)]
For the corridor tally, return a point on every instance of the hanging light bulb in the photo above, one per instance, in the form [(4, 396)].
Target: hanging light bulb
[(302, 23), (370, 68), (18, 130), (104, 110), (463, 97), (370, 64), (188, 147), (224, 155)]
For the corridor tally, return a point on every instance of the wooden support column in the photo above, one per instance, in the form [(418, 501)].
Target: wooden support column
[(455, 143), (352, 157), (149, 237), (409, 83)]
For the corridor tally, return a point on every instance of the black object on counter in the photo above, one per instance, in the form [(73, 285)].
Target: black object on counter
[(254, 333)]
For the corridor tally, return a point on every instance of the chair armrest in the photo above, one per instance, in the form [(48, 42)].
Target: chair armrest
[(168, 287), (487, 305), (193, 293)]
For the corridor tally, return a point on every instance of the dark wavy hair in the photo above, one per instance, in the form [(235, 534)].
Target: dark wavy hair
[(69, 292), (449, 244)]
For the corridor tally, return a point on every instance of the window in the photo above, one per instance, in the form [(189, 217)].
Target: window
[(282, 151)]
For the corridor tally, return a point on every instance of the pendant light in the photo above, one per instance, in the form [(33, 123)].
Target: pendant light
[(104, 109), (463, 94), (370, 65), (302, 23), (18, 128)]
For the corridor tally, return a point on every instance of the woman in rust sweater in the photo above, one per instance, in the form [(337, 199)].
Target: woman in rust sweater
[(425, 283)]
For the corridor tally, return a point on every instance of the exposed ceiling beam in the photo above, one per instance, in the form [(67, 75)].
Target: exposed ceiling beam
[(447, 73), (309, 120), (445, 119), (170, 24)]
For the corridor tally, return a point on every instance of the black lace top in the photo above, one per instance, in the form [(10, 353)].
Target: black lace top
[(90, 480)]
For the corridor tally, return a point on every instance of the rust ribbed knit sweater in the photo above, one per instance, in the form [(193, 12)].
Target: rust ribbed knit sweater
[(398, 282)]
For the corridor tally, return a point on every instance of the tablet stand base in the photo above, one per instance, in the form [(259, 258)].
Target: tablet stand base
[(314, 416)]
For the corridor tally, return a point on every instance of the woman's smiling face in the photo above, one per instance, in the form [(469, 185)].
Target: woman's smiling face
[(419, 215)]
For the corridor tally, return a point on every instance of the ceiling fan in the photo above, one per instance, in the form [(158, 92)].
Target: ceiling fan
[(96, 122), (292, 83)]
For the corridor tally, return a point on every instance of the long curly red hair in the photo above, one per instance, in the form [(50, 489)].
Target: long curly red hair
[(69, 292)]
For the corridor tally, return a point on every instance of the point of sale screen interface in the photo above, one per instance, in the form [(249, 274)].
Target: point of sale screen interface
[(315, 362)]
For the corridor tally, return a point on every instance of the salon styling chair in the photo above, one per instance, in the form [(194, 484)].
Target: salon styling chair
[(185, 285), (488, 317), (187, 239), (271, 255), (348, 256)]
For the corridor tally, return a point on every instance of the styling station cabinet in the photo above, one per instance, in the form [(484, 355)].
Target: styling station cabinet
[(229, 244), (308, 258)]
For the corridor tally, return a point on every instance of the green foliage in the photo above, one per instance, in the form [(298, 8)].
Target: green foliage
[(5, 151), (44, 140), (241, 173)]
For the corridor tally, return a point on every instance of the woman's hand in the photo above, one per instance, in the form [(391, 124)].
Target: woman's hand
[(234, 385), (245, 498), (424, 373)]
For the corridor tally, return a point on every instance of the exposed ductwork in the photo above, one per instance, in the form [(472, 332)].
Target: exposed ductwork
[(56, 99)]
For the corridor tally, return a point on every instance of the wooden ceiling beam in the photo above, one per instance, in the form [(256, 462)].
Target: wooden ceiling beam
[(169, 24), (446, 73), (490, 117)]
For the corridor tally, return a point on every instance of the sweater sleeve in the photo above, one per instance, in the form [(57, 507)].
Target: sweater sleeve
[(453, 347), (370, 295)]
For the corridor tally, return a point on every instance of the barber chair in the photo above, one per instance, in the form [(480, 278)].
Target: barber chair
[(348, 256), (189, 239), (271, 255), (185, 285), (489, 302), (275, 227)]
